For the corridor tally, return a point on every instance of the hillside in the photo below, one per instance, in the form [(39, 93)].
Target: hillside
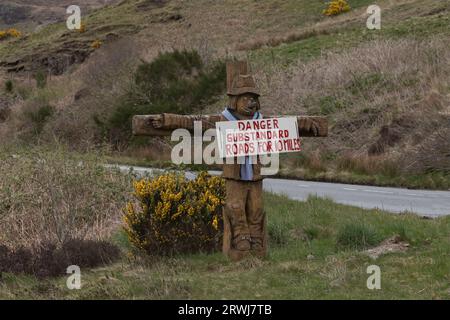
[(30, 14), (386, 92)]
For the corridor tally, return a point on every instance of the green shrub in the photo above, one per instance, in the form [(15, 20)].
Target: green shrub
[(41, 79), (175, 82), (329, 105), (361, 84), (357, 236), (9, 86), (176, 215), (39, 117)]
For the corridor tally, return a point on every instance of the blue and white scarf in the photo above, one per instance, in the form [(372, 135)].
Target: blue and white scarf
[(246, 168)]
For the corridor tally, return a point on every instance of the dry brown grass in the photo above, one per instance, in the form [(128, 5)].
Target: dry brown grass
[(367, 165), (314, 162), (54, 196), (402, 85), (76, 97), (291, 36), (434, 153)]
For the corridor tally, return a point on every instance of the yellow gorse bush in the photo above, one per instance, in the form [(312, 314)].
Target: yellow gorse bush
[(82, 28), (96, 44), (10, 33), (336, 7), (175, 214)]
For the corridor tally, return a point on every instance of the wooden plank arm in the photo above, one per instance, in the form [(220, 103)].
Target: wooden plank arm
[(308, 125), (175, 121), (143, 124)]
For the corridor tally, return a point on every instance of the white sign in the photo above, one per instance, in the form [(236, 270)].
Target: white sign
[(257, 137)]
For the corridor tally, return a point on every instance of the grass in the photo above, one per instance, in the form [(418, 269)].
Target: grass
[(305, 50), (54, 194), (298, 230), (269, 19), (357, 236), (362, 169), (122, 19), (340, 39)]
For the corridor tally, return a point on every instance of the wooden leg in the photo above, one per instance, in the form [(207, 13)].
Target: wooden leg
[(227, 248), (263, 252)]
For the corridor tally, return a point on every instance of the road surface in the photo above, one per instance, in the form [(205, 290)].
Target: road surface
[(396, 200)]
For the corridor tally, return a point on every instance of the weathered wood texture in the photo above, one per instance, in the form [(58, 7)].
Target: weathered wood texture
[(142, 125), (236, 255), (234, 69)]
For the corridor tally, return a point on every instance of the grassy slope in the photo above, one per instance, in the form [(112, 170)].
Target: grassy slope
[(407, 19), (334, 272), (39, 13), (265, 20), (402, 20), (243, 21), (115, 20)]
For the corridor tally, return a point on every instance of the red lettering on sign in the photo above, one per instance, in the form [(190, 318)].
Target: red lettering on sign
[(275, 124), (228, 149)]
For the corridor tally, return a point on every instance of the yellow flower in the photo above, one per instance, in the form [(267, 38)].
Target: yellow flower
[(82, 28), (174, 211), (96, 44), (215, 223), (14, 33), (336, 7)]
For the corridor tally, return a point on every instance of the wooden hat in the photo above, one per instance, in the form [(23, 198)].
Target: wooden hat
[(243, 83)]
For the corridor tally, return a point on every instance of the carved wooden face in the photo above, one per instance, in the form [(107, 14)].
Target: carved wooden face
[(247, 104)]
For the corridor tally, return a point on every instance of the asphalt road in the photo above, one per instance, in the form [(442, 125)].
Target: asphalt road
[(396, 200), (423, 202)]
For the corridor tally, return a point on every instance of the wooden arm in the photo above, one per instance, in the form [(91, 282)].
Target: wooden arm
[(170, 121), (142, 124), (306, 122)]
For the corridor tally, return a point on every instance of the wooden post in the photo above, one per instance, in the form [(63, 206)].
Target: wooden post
[(234, 69)]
